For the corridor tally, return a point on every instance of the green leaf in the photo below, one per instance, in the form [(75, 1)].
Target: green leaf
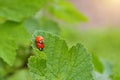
[(105, 75), (7, 48), (80, 62), (43, 24), (8, 51), (17, 10), (116, 75), (20, 75), (31, 25), (39, 67), (67, 12), (60, 63), (97, 63), (12, 34)]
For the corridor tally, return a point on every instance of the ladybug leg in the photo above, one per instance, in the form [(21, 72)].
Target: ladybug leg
[(41, 49)]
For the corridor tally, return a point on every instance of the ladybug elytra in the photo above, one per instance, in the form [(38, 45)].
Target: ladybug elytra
[(39, 42)]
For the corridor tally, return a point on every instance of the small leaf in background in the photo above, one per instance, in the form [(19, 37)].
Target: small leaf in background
[(43, 24), (97, 63), (18, 10), (67, 12), (115, 75), (4, 69), (7, 50), (61, 64), (20, 75), (7, 46), (49, 25), (105, 75), (31, 25)]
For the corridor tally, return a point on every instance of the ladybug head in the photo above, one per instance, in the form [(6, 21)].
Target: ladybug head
[(39, 39)]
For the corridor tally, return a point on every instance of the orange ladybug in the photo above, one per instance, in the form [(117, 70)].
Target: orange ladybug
[(39, 42)]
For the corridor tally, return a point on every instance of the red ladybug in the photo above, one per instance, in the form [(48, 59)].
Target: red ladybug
[(39, 42)]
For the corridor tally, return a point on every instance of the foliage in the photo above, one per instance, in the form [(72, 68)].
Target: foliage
[(19, 20), (60, 63), (18, 10), (66, 12), (97, 63), (42, 24)]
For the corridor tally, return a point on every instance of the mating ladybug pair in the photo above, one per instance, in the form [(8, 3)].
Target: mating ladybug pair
[(39, 42)]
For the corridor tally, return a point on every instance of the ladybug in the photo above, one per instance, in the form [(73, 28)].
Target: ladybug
[(39, 42)]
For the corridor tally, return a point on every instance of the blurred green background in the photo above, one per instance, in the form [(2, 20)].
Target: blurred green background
[(76, 21)]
